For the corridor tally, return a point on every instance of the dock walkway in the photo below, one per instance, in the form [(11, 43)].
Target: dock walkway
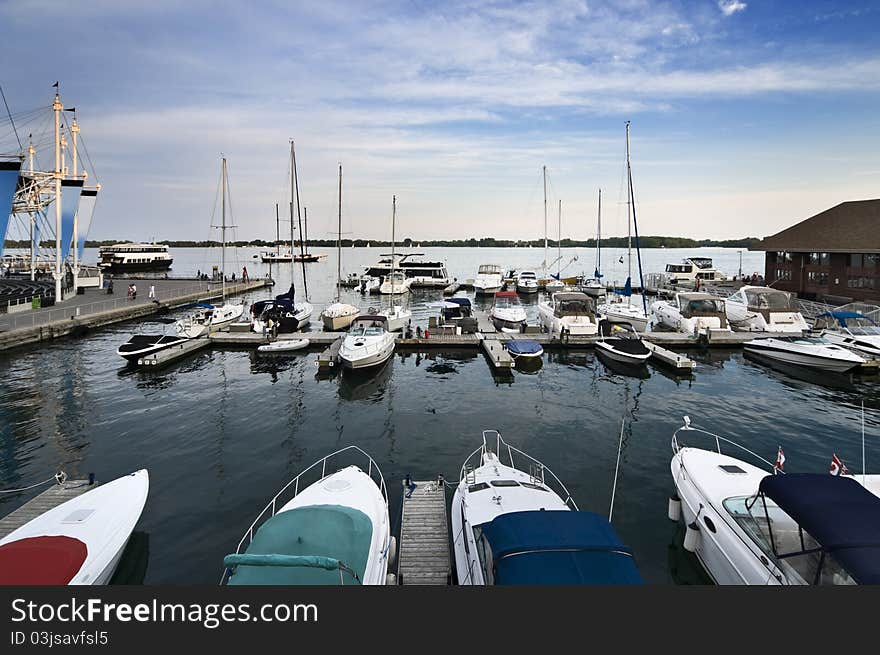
[(48, 499), (423, 555)]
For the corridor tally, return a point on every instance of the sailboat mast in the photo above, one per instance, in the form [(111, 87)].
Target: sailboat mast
[(277, 233), (599, 235), (292, 192), (559, 244), (299, 219), (629, 210), (223, 224), (339, 239), (545, 220), (306, 228), (393, 221), (632, 200)]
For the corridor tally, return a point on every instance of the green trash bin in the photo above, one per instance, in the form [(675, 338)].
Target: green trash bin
[(35, 303)]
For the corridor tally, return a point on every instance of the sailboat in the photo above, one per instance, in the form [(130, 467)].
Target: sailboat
[(397, 315), (556, 284), (339, 315), (618, 311), (269, 257), (305, 255), (396, 282), (593, 286), (211, 317)]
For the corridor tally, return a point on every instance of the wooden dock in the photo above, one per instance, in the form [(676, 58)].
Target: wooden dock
[(330, 357), (423, 555), (496, 352), (173, 353), (48, 499), (675, 360)]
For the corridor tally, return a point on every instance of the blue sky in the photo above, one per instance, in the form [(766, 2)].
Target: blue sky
[(747, 115)]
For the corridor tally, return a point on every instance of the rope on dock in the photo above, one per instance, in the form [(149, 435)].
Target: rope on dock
[(59, 477), (616, 469)]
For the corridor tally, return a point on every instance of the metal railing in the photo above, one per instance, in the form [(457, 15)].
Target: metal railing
[(270, 509), (537, 469), (687, 427)]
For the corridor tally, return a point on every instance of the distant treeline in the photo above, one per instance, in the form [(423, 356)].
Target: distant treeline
[(486, 242)]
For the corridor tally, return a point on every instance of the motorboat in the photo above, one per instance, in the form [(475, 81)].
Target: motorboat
[(369, 284), (515, 526), (334, 531), (368, 343), (79, 542), (620, 342), (526, 282), (524, 348), (692, 269), (592, 287), (208, 318), (762, 309), (814, 352), (339, 316), (488, 280), (854, 326), (422, 272), (283, 346), (398, 317), (749, 526), (395, 284), (141, 345), (554, 286), (508, 314), (691, 313), (288, 314), (568, 313), (618, 310)]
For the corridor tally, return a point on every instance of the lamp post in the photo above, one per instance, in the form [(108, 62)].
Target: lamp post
[(740, 265)]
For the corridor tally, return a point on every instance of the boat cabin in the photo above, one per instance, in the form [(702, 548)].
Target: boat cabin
[(856, 318), (573, 303), (489, 269), (692, 305), (369, 326), (507, 300), (764, 300)]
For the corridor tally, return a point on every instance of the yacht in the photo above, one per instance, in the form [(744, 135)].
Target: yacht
[(507, 314), (488, 280), (568, 313), (620, 342), (334, 531), (367, 344), (512, 526), (208, 318), (422, 272), (395, 283), (141, 345), (691, 313), (749, 526), (124, 257), (618, 310), (692, 269), (554, 286), (398, 317), (762, 309), (853, 327), (269, 257), (814, 352), (527, 282), (592, 287)]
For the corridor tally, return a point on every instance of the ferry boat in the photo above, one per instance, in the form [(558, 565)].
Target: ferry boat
[(423, 273), (134, 257), (692, 269)]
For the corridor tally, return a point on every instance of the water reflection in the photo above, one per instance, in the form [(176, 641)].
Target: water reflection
[(132, 569), (621, 368), (368, 384), (792, 372)]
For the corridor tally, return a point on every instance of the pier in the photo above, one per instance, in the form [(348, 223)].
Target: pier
[(48, 499), (423, 554), (173, 353)]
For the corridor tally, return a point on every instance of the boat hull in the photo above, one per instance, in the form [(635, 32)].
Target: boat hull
[(359, 359), (812, 360), (161, 342), (609, 349), (116, 267)]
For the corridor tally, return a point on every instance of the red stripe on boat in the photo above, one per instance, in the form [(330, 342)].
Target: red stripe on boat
[(41, 560)]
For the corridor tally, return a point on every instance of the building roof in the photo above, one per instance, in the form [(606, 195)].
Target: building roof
[(848, 227)]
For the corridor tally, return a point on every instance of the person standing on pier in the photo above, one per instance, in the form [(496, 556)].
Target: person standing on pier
[(134, 291), (152, 294), (244, 275)]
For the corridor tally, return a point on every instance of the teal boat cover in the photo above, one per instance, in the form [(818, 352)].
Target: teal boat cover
[(317, 534)]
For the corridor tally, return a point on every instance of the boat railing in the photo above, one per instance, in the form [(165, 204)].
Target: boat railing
[(538, 471), (687, 427), (373, 471)]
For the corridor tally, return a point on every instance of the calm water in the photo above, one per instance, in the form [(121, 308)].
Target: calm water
[(222, 431)]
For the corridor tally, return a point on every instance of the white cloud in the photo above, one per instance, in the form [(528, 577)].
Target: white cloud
[(730, 7)]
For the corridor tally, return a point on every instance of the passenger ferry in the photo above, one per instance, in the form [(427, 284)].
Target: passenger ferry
[(423, 273), (134, 257), (692, 269)]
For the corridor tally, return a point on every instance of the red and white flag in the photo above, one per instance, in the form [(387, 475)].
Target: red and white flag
[(838, 467), (780, 459)]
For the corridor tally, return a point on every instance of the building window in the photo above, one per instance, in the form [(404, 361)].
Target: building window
[(783, 274), (871, 260), (862, 283), (783, 257), (819, 258), (818, 278), (855, 260)]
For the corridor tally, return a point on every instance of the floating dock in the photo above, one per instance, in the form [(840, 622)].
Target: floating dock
[(330, 357), (498, 355), (423, 554), (173, 353), (675, 360), (48, 499)]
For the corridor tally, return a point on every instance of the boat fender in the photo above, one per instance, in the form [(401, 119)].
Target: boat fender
[(692, 537), (391, 579), (392, 552), (674, 511)]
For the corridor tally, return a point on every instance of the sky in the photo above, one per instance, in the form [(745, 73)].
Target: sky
[(746, 115)]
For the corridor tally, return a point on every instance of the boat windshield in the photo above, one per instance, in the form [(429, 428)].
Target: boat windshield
[(679, 268), (489, 269), (703, 306), (366, 331), (774, 531), (774, 301), (507, 302), (867, 330), (527, 275)]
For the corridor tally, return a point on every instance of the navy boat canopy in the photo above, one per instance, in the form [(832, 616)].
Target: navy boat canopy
[(558, 547), (464, 302), (523, 347), (287, 296), (838, 512), (841, 317)]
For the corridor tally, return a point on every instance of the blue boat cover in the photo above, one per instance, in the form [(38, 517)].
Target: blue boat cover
[(838, 512), (841, 317), (558, 548), (464, 302), (523, 347), (627, 289), (287, 296)]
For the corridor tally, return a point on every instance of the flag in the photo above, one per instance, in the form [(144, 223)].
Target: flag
[(780, 460), (837, 467)]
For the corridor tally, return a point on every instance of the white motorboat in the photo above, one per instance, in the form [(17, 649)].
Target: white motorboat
[(511, 526), (692, 269), (395, 284), (334, 531), (284, 346), (524, 349), (339, 316), (78, 542), (423, 272), (618, 310), (488, 280), (814, 352), (620, 342), (852, 326), (369, 284), (592, 287), (691, 313), (398, 317), (762, 309), (141, 345), (508, 314), (568, 313), (367, 344), (527, 282), (748, 526), (554, 286), (208, 318)]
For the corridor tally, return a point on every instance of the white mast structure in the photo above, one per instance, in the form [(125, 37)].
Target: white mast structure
[(545, 221), (393, 220), (33, 216), (57, 108), (223, 225), (559, 245), (74, 130), (629, 210)]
